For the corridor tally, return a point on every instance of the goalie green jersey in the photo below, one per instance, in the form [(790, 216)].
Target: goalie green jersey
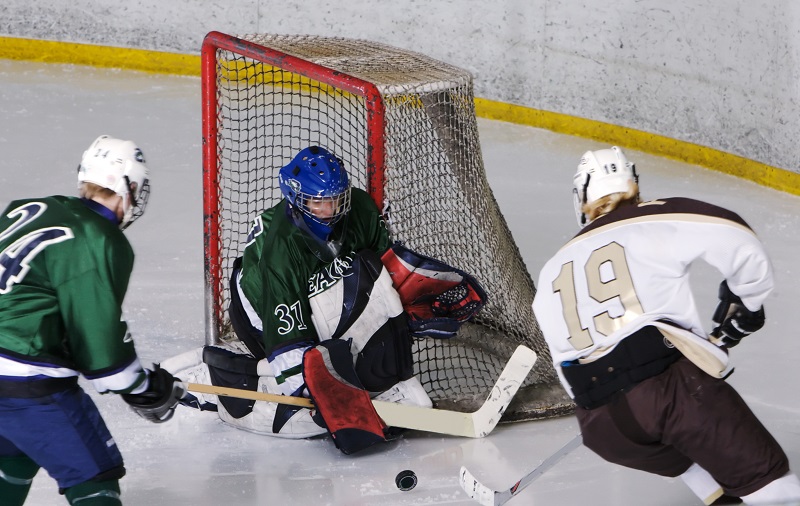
[(281, 266), (64, 271)]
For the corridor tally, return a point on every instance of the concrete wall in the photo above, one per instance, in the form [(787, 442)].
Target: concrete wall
[(722, 74)]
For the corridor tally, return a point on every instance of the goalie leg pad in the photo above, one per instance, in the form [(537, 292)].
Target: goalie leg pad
[(276, 420), (286, 363), (341, 400), (232, 368), (229, 369), (189, 367)]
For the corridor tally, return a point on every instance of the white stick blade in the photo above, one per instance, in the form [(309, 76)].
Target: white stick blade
[(441, 421), (509, 381), (477, 424), (476, 490)]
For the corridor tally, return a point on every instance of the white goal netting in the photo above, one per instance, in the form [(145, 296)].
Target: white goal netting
[(404, 124)]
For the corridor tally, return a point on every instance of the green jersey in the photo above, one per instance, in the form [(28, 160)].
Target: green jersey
[(280, 269), (64, 271)]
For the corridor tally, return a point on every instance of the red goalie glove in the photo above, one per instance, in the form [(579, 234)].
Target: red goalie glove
[(438, 298)]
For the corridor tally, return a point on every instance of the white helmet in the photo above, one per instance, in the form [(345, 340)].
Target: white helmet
[(119, 166), (601, 173)]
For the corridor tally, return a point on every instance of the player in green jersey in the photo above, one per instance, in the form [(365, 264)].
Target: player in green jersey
[(64, 270)]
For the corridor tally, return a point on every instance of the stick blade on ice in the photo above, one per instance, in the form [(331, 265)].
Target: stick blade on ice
[(484, 495), (476, 490), (477, 424)]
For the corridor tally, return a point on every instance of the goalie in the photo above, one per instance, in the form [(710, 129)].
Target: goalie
[(320, 316)]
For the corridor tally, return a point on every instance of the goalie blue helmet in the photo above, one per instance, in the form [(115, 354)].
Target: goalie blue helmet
[(317, 188)]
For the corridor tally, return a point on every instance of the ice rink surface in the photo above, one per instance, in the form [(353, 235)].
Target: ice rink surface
[(51, 113)]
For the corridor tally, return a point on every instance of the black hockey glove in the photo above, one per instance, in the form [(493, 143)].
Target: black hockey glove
[(157, 403), (732, 319)]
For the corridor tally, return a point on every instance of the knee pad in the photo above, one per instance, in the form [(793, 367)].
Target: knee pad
[(271, 419), (16, 476), (95, 493)]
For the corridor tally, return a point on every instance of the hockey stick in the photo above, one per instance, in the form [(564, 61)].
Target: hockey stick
[(488, 497), (476, 424)]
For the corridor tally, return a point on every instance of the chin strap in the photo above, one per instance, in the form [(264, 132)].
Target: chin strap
[(585, 192), (135, 208)]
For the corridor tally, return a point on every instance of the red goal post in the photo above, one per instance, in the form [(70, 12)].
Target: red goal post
[(404, 124)]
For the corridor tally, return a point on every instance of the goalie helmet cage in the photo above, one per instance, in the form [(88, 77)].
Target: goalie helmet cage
[(405, 127)]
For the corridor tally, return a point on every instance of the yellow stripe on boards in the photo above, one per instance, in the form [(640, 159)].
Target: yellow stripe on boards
[(765, 175), (47, 51), (14, 48)]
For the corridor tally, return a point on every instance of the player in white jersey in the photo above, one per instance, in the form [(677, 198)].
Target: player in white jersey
[(617, 312)]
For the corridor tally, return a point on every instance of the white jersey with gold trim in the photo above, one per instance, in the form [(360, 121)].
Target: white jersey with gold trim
[(630, 268)]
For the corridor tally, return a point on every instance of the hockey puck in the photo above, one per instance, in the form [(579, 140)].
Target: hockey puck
[(406, 480)]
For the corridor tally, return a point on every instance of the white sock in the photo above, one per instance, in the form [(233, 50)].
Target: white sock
[(785, 490), (702, 484)]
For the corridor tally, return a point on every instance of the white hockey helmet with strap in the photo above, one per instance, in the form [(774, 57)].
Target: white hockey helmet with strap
[(601, 173), (119, 166)]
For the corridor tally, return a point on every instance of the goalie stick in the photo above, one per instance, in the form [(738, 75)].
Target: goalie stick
[(488, 497), (476, 424)]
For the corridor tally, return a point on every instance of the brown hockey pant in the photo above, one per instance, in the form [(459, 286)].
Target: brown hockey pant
[(684, 416)]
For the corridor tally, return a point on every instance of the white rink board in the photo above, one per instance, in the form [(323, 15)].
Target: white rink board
[(721, 73)]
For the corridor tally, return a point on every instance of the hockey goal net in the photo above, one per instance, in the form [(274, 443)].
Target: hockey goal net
[(405, 127)]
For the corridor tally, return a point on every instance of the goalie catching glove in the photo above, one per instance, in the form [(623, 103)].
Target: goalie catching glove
[(157, 403), (438, 298), (732, 319)]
